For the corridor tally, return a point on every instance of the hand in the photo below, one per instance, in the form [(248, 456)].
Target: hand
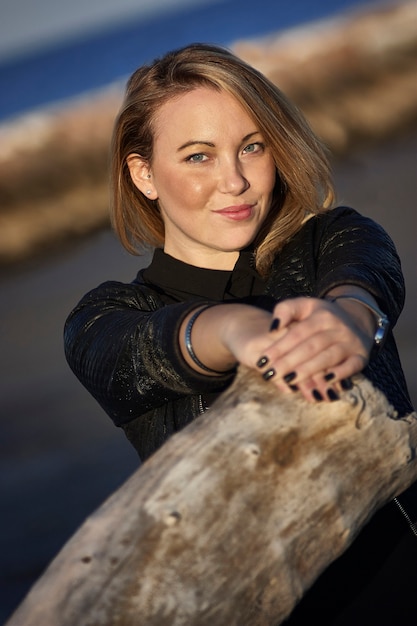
[(317, 347)]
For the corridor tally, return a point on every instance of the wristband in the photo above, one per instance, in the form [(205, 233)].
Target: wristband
[(189, 345)]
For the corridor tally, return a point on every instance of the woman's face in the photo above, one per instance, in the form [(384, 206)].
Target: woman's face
[(212, 174)]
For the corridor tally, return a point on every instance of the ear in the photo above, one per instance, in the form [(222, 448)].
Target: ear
[(140, 173)]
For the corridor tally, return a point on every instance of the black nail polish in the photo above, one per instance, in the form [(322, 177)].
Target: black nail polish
[(293, 388), (332, 395), (275, 324), (262, 361), (317, 395), (289, 377), (346, 384), (329, 376), (269, 374)]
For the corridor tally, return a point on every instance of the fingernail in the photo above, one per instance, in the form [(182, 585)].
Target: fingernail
[(275, 324), (289, 377), (317, 395), (332, 395), (329, 376), (262, 361), (346, 384), (293, 387), (269, 374)]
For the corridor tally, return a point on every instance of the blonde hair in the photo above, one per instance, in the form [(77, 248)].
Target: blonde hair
[(303, 183)]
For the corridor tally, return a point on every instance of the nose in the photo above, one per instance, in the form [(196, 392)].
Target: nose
[(231, 178)]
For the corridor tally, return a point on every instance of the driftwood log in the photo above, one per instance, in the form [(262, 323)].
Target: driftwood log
[(235, 517)]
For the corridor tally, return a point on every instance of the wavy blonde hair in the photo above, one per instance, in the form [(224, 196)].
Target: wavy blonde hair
[(304, 183)]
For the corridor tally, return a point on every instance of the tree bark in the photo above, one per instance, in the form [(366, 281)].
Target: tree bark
[(235, 517)]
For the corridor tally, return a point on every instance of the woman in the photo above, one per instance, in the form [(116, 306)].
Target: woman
[(215, 169)]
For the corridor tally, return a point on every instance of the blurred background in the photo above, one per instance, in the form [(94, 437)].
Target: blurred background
[(351, 66)]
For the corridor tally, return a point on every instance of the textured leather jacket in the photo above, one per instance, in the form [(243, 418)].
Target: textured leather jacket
[(121, 339)]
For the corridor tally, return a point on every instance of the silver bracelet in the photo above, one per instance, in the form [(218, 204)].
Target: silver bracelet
[(189, 345), (382, 321)]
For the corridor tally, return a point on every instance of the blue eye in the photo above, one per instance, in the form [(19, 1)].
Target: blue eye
[(196, 158), (253, 147)]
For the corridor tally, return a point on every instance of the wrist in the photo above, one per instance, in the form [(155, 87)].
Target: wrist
[(200, 342), (380, 320)]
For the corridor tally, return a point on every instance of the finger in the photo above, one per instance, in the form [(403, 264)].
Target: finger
[(314, 333), (330, 386), (318, 375), (307, 358), (349, 367), (314, 345), (292, 310), (320, 388), (317, 389), (312, 392)]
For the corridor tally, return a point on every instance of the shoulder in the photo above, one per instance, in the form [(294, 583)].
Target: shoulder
[(316, 228), (340, 217), (341, 241), (339, 227), (114, 294)]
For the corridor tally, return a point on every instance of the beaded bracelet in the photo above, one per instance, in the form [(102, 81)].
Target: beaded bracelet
[(382, 322), (189, 345)]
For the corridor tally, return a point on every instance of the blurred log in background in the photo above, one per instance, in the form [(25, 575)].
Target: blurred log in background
[(354, 77)]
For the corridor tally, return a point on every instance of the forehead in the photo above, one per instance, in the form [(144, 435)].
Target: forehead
[(202, 110)]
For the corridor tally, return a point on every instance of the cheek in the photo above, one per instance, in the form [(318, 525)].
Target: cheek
[(189, 192), (174, 187)]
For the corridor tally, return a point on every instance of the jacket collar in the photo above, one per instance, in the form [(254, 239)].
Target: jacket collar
[(184, 282)]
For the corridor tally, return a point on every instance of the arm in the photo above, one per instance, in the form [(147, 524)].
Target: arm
[(354, 250), (122, 344), (338, 252), (316, 345), (322, 343)]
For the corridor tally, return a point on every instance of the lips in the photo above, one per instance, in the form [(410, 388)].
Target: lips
[(238, 212)]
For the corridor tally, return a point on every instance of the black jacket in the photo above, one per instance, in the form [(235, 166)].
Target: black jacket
[(120, 340)]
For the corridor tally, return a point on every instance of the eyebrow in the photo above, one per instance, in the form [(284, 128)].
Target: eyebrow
[(196, 142)]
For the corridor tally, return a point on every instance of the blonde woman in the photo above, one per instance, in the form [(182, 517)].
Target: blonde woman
[(221, 175)]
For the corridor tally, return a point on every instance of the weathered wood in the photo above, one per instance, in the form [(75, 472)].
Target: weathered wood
[(235, 517)]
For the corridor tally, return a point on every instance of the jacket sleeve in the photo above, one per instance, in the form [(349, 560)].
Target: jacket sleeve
[(353, 249), (340, 247), (122, 344)]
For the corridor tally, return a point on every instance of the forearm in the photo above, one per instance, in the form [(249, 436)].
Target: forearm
[(210, 344)]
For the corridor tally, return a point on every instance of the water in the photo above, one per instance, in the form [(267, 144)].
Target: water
[(92, 60)]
